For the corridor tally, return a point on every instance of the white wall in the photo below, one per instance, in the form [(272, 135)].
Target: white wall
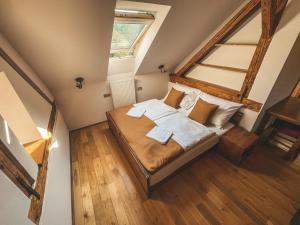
[(59, 161), (14, 112), (14, 203), (15, 209), (7, 47), (86, 106), (278, 51), (155, 85), (120, 65), (288, 77), (10, 140), (36, 106), (57, 209)]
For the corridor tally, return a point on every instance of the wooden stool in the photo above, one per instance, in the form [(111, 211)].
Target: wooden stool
[(235, 144)]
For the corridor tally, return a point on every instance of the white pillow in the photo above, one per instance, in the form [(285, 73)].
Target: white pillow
[(188, 101), (224, 112), (190, 98), (186, 89)]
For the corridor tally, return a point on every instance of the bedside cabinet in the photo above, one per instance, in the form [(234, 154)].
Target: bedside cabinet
[(236, 143)]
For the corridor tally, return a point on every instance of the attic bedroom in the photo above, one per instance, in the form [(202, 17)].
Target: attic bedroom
[(145, 112)]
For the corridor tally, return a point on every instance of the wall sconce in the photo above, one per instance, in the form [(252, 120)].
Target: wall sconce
[(162, 68), (79, 82)]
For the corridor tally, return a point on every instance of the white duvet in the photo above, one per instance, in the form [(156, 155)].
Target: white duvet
[(186, 132), (155, 109)]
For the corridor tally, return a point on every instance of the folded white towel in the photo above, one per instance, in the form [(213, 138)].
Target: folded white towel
[(159, 134), (136, 112)]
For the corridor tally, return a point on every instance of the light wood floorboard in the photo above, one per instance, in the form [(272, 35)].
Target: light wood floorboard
[(211, 190)]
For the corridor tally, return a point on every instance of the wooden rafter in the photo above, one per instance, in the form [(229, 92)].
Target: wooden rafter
[(18, 69), (36, 205), (271, 14), (255, 64), (13, 169), (233, 69), (213, 89), (216, 90), (268, 8), (236, 44), (270, 19), (246, 12)]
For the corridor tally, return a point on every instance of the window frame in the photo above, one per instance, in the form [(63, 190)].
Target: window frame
[(134, 20)]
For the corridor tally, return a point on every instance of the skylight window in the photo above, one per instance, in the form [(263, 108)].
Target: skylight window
[(125, 34), (128, 29)]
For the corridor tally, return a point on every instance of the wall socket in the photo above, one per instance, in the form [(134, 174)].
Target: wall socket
[(140, 88), (107, 95)]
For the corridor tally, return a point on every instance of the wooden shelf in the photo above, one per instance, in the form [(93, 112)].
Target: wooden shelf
[(236, 44), (224, 67)]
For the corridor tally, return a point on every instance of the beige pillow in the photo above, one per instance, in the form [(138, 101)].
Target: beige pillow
[(202, 111), (174, 98)]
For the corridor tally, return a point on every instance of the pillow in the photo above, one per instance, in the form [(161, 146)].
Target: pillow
[(186, 89), (188, 101), (191, 95), (174, 98), (224, 112), (202, 111)]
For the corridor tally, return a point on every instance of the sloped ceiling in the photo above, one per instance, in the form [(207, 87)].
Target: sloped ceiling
[(60, 38), (188, 23), (64, 38)]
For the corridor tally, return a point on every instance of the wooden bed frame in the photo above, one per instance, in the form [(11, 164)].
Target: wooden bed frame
[(141, 173)]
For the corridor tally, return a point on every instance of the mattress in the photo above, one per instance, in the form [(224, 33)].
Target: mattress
[(189, 155), (153, 155), (150, 153)]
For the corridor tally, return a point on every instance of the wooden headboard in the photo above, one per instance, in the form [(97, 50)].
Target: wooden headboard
[(218, 91)]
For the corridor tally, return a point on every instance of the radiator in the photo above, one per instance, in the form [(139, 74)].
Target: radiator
[(123, 92)]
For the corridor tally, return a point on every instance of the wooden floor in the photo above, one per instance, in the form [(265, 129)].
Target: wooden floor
[(264, 190)]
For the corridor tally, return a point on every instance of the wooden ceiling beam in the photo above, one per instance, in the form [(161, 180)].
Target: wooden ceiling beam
[(245, 13), (270, 19), (236, 44), (271, 14), (233, 69)]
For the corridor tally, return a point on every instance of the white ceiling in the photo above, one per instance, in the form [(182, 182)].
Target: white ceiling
[(64, 38), (188, 23), (60, 38)]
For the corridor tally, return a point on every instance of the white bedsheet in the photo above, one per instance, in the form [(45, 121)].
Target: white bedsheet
[(155, 109), (186, 132)]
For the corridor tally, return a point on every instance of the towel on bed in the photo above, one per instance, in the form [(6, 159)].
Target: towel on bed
[(186, 132), (136, 112), (159, 134)]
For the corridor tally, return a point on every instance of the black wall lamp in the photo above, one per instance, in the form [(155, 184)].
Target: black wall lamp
[(162, 68), (79, 82)]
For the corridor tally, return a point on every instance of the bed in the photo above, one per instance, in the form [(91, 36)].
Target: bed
[(151, 161)]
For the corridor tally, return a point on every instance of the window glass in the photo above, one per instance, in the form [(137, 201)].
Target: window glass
[(125, 34)]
